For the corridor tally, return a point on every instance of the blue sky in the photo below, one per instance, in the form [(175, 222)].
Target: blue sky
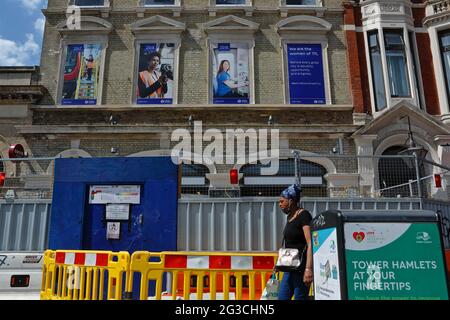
[(21, 31)]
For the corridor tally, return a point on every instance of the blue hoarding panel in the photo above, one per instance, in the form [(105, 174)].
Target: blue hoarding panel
[(77, 224), (306, 78)]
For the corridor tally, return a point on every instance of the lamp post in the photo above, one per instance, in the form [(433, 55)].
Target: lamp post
[(298, 174)]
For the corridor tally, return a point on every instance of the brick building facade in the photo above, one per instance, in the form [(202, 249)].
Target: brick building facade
[(344, 120)]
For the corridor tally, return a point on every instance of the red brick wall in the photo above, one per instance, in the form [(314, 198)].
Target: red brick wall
[(427, 71), (353, 58), (364, 74)]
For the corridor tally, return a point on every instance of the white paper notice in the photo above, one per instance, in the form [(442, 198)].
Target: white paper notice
[(113, 230), (117, 211)]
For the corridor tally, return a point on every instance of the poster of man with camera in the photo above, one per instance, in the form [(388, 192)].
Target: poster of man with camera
[(156, 73)]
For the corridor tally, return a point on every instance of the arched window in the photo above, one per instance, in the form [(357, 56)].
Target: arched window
[(397, 176), (193, 179), (253, 184)]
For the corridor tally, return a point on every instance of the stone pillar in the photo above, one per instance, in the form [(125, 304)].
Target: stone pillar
[(343, 185), (366, 166)]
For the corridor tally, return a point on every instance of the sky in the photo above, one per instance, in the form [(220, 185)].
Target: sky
[(21, 31)]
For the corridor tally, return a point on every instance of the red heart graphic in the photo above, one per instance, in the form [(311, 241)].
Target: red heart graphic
[(359, 236)]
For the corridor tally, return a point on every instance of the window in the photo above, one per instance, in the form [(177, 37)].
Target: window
[(377, 71), (305, 71), (88, 3), (231, 73), (396, 63), (416, 72), (228, 2), (81, 68), (300, 2), (313, 183), (444, 42), (158, 2), (155, 74)]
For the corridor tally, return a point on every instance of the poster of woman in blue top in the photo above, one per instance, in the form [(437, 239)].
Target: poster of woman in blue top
[(230, 76)]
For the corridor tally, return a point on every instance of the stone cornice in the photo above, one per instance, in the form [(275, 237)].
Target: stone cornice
[(21, 94), (145, 129)]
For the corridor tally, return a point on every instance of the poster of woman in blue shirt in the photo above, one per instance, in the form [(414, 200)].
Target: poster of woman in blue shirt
[(230, 76)]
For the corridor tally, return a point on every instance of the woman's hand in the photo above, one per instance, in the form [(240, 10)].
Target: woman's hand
[(308, 276)]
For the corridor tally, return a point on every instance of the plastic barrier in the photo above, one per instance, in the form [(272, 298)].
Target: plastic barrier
[(84, 275), (203, 275)]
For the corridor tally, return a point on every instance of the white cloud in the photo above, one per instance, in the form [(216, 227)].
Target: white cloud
[(18, 54), (39, 25), (31, 4)]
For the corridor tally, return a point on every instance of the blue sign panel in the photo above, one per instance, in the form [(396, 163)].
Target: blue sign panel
[(224, 47), (78, 102), (305, 69)]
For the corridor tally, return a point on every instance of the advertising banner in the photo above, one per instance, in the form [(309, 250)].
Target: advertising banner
[(230, 80), (326, 265), (81, 74), (394, 261), (305, 71), (155, 73)]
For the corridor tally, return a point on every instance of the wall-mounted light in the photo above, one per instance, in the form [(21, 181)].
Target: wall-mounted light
[(191, 120), (270, 120)]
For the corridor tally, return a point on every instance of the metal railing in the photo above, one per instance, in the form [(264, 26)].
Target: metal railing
[(325, 176)]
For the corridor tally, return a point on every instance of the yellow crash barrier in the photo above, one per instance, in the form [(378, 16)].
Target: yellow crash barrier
[(202, 275), (84, 275)]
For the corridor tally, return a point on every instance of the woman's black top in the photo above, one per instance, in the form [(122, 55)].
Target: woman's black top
[(294, 237)]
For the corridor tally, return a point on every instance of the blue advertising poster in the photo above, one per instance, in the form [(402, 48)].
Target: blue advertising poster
[(155, 74), (81, 74), (305, 69), (231, 74)]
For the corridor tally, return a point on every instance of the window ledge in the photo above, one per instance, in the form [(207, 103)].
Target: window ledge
[(175, 9)]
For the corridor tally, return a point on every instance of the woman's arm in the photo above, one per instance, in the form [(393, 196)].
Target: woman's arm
[(234, 85), (308, 276), (145, 91)]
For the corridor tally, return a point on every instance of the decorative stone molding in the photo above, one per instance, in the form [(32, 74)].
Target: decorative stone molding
[(230, 24), (386, 11), (157, 24), (89, 26), (303, 23)]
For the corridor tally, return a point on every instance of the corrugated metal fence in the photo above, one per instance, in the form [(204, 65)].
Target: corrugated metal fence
[(24, 225), (236, 224), (256, 224)]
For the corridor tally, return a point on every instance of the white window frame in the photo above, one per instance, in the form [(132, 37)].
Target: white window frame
[(415, 93), (283, 4), (213, 42), (444, 100), (213, 3), (158, 38), (307, 30), (177, 3), (106, 4), (79, 39)]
